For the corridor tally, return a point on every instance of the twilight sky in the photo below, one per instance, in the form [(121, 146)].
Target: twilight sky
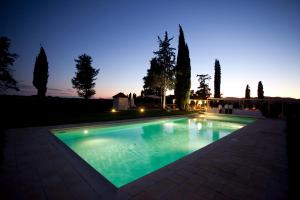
[(257, 40)]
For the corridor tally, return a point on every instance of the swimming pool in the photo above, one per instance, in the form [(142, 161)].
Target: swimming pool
[(123, 153)]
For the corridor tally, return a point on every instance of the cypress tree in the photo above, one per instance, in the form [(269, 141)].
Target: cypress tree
[(260, 90), (217, 81), (40, 73), (247, 92), (183, 73)]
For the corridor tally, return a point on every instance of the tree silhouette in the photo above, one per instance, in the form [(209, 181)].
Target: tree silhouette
[(247, 92), (161, 72), (183, 73), (85, 75), (203, 91), (7, 60), (217, 81), (150, 80), (40, 73), (260, 90)]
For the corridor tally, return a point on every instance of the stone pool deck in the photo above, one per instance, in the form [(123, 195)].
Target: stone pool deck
[(250, 163)]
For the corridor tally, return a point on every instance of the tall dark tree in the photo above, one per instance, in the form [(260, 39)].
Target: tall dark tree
[(260, 90), (247, 92), (203, 91), (217, 81), (183, 73), (150, 83), (7, 60), (40, 73), (161, 73), (85, 75)]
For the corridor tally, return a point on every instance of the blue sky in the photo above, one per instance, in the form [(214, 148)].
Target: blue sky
[(254, 41)]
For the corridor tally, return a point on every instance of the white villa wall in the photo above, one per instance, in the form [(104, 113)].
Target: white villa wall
[(121, 103)]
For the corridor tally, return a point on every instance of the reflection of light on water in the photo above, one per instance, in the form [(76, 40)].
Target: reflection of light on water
[(236, 126), (209, 124), (199, 126), (94, 141), (168, 124), (168, 127), (230, 125)]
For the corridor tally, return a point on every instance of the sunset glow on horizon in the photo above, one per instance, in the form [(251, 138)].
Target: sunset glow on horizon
[(254, 41)]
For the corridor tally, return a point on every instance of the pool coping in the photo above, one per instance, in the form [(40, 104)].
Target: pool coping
[(85, 168)]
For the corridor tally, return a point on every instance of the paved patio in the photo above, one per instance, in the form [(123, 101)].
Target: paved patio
[(250, 163)]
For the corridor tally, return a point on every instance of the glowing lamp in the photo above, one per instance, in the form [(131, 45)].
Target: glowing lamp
[(142, 110), (113, 110), (85, 131)]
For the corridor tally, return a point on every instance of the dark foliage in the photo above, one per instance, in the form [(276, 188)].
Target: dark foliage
[(148, 102), (150, 86), (85, 75), (247, 92), (142, 93), (203, 91), (217, 81), (183, 73), (40, 73), (149, 91), (193, 94), (160, 76), (260, 90), (7, 60)]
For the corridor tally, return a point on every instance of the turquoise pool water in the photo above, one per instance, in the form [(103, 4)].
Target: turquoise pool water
[(124, 153)]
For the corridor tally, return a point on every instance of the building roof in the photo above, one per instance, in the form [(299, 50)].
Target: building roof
[(120, 95)]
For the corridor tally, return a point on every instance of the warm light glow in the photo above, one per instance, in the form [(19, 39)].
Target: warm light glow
[(113, 110), (142, 110), (85, 131), (202, 115)]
